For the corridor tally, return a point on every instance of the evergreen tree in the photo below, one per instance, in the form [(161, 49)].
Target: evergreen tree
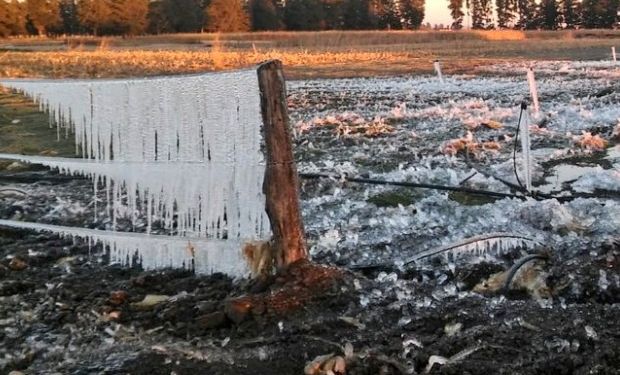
[(303, 15), (43, 15), (358, 15), (548, 14), (571, 13), (94, 15), (158, 18), (527, 14), (387, 14), (68, 14), (181, 16), (506, 12), (600, 13), (264, 14), (481, 14), (227, 16), (610, 15), (590, 11), (412, 13), (333, 14), (456, 11)]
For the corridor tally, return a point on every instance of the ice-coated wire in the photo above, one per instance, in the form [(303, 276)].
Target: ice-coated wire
[(204, 256), (492, 242), (188, 150), (187, 146)]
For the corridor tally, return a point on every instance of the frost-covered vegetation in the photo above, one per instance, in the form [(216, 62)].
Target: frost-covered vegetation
[(404, 310), (366, 224)]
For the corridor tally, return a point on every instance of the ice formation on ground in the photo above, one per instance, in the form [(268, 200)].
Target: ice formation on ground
[(362, 225), (186, 150), (343, 220)]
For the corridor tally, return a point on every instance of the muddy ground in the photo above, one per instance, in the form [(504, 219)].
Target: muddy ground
[(55, 318), (64, 309)]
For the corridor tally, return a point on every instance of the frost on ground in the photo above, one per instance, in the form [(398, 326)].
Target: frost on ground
[(558, 314), (365, 224)]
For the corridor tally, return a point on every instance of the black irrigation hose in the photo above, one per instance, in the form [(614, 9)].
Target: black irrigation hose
[(535, 195), (526, 194), (512, 272), (517, 187), (372, 181)]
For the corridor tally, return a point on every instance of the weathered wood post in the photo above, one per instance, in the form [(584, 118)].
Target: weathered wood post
[(281, 184)]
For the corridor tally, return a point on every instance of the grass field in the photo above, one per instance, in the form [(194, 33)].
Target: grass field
[(26, 130), (305, 54)]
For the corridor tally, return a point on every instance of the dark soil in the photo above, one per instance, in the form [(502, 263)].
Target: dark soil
[(68, 312)]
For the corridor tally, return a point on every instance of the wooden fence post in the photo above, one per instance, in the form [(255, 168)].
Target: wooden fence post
[(281, 184)]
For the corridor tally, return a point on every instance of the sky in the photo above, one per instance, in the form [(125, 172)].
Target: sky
[(437, 12)]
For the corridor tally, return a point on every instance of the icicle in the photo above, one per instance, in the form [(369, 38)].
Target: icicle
[(187, 148), (496, 243), (613, 54), (184, 189), (437, 65), (153, 119), (524, 129), (533, 90), (155, 252)]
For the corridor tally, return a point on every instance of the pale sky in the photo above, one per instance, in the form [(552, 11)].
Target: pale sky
[(437, 12)]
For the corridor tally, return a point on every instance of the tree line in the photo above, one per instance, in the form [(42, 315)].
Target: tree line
[(536, 14), (133, 17)]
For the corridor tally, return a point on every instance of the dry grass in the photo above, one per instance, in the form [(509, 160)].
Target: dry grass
[(305, 54), (495, 35), (134, 63), (347, 39)]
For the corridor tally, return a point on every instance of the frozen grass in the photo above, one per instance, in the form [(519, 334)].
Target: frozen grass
[(367, 224), (312, 39)]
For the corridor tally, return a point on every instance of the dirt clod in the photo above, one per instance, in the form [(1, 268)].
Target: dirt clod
[(16, 264), (214, 320)]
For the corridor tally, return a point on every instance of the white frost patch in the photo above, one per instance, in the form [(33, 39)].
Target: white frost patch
[(591, 69), (600, 179)]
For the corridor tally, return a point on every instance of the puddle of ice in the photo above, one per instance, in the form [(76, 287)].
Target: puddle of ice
[(564, 173)]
